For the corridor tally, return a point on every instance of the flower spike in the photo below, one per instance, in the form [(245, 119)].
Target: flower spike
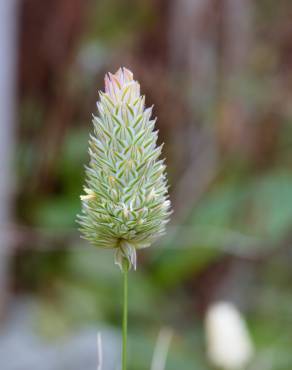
[(126, 204)]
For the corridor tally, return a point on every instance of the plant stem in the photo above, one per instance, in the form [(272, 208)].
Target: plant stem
[(125, 321)]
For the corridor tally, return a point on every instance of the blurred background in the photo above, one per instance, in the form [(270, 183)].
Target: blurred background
[(219, 75)]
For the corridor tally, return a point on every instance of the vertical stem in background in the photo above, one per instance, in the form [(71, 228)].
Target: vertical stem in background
[(125, 320), (161, 349), (8, 42)]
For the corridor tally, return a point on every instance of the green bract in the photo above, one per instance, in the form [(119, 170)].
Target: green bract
[(126, 205)]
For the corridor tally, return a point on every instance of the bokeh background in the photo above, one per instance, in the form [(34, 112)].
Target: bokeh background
[(219, 75)]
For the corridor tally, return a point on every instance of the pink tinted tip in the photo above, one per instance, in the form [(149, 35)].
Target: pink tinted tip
[(117, 80)]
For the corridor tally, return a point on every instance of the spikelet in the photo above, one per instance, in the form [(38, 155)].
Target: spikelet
[(126, 204)]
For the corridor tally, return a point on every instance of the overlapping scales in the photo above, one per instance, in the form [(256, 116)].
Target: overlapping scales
[(126, 205)]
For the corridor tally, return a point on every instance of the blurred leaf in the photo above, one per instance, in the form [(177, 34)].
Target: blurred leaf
[(56, 212), (271, 211)]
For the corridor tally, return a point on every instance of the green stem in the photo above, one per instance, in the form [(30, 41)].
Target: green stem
[(125, 321)]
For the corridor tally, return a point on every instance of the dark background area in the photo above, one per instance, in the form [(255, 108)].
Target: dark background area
[(219, 75)]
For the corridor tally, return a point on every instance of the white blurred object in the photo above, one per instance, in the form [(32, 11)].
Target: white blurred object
[(99, 352), (161, 349), (229, 345)]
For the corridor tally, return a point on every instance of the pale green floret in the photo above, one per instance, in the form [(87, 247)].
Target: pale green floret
[(126, 204)]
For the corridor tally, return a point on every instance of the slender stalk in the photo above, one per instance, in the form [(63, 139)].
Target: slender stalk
[(125, 321)]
